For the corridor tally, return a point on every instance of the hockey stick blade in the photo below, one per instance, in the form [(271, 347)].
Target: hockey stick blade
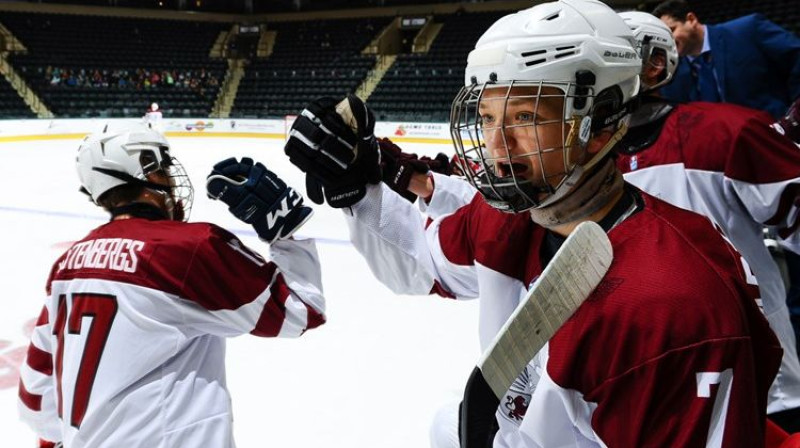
[(570, 277)]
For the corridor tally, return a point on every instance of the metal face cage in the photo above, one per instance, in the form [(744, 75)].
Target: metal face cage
[(181, 191), (507, 136)]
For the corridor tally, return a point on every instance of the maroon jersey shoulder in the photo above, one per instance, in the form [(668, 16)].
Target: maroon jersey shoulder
[(673, 311), (725, 138), (501, 241), (196, 261), (672, 270)]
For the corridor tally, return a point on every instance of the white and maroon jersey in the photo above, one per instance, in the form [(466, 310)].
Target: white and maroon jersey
[(728, 163), (641, 362), (129, 348)]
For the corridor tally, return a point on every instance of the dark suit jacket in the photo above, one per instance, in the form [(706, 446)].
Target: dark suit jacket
[(757, 64)]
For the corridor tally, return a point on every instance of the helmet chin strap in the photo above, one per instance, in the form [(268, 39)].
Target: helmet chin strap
[(593, 186)]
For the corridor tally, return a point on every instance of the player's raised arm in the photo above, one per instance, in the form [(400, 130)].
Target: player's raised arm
[(333, 142), (289, 301)]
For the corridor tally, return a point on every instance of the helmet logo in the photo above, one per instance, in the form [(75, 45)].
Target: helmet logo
[(620, 54)]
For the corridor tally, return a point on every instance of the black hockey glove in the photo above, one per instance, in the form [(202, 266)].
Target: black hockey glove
[(334, 144), (399, 166), (258, 197), (790, 123)]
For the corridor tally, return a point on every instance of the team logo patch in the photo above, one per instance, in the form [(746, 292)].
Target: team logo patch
[(516, 407), (518, 397), (634, 163)]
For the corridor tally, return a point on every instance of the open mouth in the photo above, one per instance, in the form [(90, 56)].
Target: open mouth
[(505, 169)]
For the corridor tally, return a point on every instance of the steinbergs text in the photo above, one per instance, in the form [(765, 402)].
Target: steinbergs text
[(117, 254)]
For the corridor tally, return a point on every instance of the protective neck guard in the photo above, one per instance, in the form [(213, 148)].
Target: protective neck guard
[(600, 185)]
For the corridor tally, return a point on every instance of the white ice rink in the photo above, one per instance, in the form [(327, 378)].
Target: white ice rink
[(373, 376)]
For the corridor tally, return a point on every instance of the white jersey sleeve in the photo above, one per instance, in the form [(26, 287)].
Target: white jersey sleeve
[(37, 393), (401, 252), (449, 194)]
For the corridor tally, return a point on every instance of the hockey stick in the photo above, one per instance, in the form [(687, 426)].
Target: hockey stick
[(570, 277)]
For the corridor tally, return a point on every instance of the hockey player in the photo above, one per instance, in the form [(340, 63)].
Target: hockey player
[(153, 117), (725, 162), (654, 153), (542, 107), (130, 344)]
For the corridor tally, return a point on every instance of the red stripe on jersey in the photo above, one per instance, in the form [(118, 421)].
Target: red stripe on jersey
[(39, 360), (438, 289), (225, 274), (31, 401), (44, 318), (272, 316), (315, 319), (502, 241)]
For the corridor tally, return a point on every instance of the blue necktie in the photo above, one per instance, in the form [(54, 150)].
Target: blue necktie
[(705, 79)]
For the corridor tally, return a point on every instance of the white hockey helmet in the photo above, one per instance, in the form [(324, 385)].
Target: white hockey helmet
[(652, 35), (154, 107), (127, 154), (580, 48)]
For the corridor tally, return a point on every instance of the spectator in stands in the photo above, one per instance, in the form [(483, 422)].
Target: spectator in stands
[(199, 82), (748, 61), (55, 78)]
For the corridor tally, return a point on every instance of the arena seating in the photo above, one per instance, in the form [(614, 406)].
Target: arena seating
[(90, 55), (11, 104), (310, 59), (421, 87)]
